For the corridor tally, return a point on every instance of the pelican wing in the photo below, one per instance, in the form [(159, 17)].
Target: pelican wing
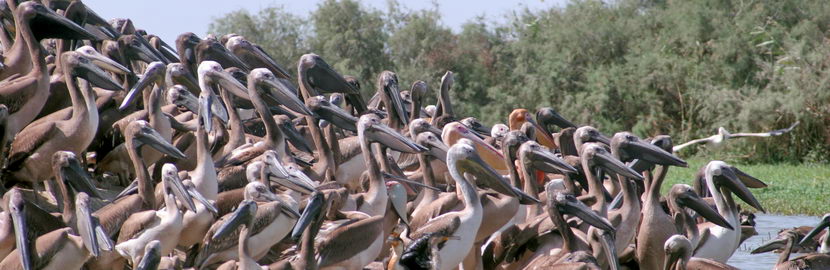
[(136, 224), (11, 93), (446, 224), (28, 141), (690, 143), (346, 241), (777, 132)]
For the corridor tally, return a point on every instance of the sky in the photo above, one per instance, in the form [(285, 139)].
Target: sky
[(169, 18)]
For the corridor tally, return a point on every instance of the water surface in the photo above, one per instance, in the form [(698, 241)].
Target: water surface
[(767, 227)]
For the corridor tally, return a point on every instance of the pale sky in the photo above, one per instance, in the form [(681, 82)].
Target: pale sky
[(169, 18)]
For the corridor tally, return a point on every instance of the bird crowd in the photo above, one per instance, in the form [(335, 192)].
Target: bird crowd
[(120, 151)]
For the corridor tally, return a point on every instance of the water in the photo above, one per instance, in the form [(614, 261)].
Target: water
[(767, 226)]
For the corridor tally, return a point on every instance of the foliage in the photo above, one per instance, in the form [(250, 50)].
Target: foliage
[(674, 67)]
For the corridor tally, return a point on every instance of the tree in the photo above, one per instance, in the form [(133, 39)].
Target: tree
[(352, 38)]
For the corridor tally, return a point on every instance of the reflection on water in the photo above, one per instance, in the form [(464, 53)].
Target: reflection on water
[(767, 226)]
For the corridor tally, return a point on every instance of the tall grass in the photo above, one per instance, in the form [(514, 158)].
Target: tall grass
[(793, 189)]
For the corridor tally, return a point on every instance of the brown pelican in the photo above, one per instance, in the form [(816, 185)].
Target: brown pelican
[(262, 82), (138, 133), (186, 48), (210, 49), (274, 219), (244, 218), (60, 249), (463, 161), (25, 85), (678, 253), (32, 149), (455, 131), (520, 116), (547, 116), (164, 225), (255, 56), (559, 204), (722, 181), (723, 135)]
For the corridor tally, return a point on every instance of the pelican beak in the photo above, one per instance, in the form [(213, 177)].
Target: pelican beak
[(245, 212), (280, 91), (488, 176), (333, 114), (56, 26), (670, 260), (89, 228), (749, 180), (436, 147), (264, 57), (92, 73), (771, 245), (152, 138), (392, 177), (557, 119), (312, 210), (478, 127), (77, 177), (173, 184), (607, 240), (153, 73), (102, 61), (542, 135), (201, 199), (205, 112), (394, 94), (146, 44), (824, 223), (228, 82), (294, 137), (168, 51), (544, 160), (142, 50), (611, 164), (17, 208), (387, 136), (691, 200), (152, 256), (292, 179), (397, 195), (731, 181), (132, 188), (455, 131), (575, 207), (654, 154)]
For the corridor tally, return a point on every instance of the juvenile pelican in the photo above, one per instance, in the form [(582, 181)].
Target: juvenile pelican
[(164, 225)]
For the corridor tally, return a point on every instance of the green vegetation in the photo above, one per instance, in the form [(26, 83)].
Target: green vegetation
[(794, 189), (682, 68)]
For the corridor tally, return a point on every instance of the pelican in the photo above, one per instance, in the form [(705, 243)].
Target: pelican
[(164, 225), (559, 204), (244, 217), (520, 116), (723, 135), (32, 148), (254, 55), (138, 133), (678, 253), (60, 249), (463, 161), (722, 181), (274, 219)]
